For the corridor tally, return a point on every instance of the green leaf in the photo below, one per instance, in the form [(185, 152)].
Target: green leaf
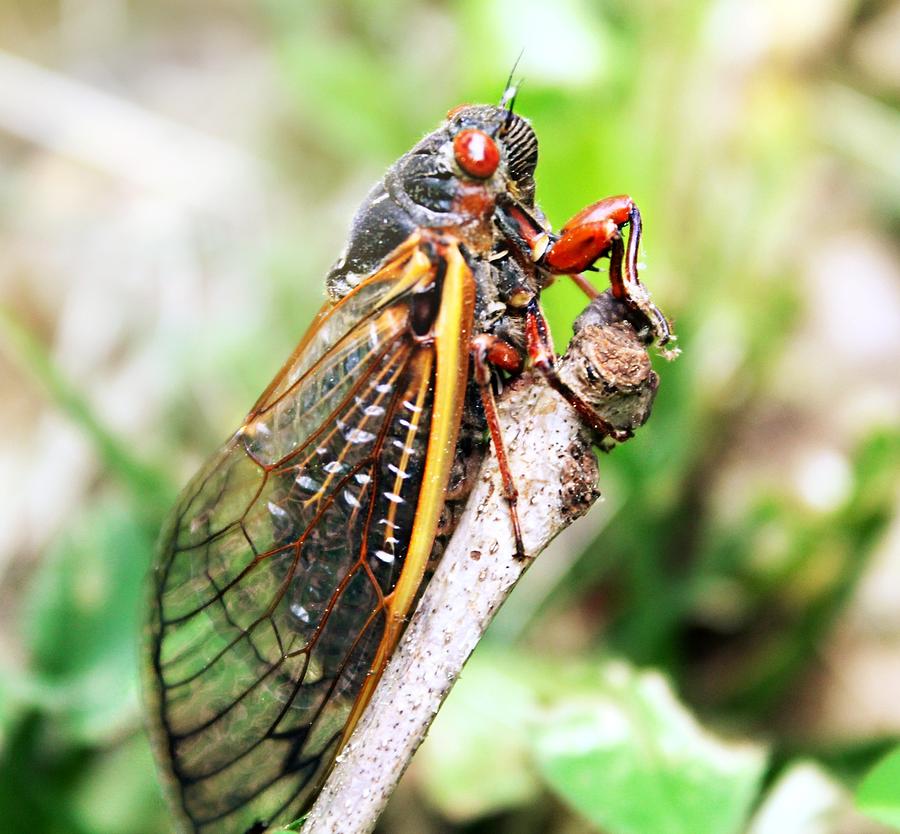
[(475, 760), (613, 743), (632, 760), (879, 792), (296, 825), (118, 793), (82, 622)]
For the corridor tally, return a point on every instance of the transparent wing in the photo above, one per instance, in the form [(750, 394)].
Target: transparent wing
[(275, 590)]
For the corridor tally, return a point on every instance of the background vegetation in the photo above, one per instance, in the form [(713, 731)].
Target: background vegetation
[(717, 647)]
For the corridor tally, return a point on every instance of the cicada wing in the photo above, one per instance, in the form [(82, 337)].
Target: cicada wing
[(291, 559)]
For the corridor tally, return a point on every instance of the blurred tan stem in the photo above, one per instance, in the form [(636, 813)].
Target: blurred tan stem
[(124, 140)]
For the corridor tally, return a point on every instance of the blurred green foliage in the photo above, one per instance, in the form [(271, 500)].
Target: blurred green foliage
[(711, 567), (598, 735), (877, 795)]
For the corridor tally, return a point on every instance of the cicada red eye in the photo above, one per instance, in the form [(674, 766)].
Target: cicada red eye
[(476, 153)]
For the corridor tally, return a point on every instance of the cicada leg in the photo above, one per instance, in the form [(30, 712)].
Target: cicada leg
[(491, 351), (584, 285), (543, 357), (594, 233)]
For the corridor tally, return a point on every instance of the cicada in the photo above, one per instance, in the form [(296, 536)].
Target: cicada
[(288, 568)]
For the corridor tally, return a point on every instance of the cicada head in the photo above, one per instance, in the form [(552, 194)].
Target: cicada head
[(511, 135), (479, 158), (480, 147)]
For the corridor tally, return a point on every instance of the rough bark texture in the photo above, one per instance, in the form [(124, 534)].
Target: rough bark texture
[(556, 472)]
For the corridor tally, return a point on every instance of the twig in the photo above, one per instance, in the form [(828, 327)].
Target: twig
[(124, 140), (556, 471)]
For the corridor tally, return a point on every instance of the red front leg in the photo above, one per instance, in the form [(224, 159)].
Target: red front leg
[(587, 237), (596, 232)]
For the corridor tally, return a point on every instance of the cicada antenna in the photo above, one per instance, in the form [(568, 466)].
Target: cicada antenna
[(511, 90)]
